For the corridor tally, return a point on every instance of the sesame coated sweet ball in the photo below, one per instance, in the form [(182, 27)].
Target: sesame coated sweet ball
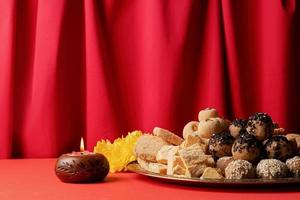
[(239, 169), (294, 166), (271, 168)]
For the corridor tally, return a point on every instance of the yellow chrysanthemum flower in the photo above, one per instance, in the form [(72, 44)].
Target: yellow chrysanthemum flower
[(119, 153)]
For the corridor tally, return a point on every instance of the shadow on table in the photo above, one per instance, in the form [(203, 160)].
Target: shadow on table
[(111, 179)]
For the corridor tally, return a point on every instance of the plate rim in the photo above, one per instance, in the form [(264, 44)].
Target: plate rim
[(134, 167)]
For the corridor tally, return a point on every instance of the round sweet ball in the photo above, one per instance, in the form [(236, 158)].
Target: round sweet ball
[(278, 147), (246, 147), (223, 162), (239, 169), (294, 166), (260, 125), (237, 127), (220, 144), (294, 139), (190, 128), (208, 127), (207, 113), (271, 168), (224, 123)]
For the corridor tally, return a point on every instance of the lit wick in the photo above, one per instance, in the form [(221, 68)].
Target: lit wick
[(81, 145)]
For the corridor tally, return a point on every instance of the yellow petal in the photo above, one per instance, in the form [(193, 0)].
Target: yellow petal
[(119, 153)]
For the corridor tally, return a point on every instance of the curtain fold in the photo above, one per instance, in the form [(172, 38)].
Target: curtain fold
[(99, 69)]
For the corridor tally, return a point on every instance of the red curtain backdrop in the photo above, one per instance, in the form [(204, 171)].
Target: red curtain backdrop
[(99, 69)]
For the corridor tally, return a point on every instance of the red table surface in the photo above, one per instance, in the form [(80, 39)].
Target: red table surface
[(35, 179)]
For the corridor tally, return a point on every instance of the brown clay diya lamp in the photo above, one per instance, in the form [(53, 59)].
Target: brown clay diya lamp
[(81, 167)]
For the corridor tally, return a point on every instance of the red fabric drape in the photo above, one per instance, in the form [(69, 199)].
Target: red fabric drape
[(102, 68)]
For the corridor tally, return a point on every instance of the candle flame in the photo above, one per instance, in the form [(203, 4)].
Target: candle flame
[(81, 145)]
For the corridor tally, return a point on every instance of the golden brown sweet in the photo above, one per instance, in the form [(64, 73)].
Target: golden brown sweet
[(271, 168), (167, 136), (224, 123), (246, 147), (237, 127), (207, 113), (176, 166), (164, 152), (190, 128), (220, 144), (208, 127), (195, 160), (211, 173), (278, 147), (294, 139), (239, 169), (195, 140), (153, 167), (260, 125), (189, 162), (147, 147)]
